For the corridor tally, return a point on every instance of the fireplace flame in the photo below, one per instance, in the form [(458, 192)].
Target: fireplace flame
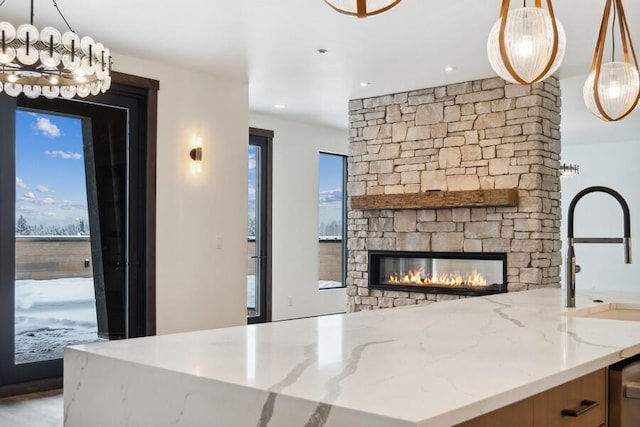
[(418, 277)]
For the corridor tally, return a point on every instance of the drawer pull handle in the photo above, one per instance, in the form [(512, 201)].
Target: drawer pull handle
[(585, 406)]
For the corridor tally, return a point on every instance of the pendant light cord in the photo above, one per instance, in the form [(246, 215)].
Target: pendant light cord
[(613, 33), (2, 2), (62, 16)]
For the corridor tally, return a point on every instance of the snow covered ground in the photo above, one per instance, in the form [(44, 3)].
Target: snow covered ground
[(51, 314)]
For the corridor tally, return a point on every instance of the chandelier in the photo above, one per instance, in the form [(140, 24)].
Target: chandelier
[(527, 44), (49, 63), (612, 89), (362, 8)]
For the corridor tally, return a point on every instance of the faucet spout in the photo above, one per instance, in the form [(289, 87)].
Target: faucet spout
[(572, 240)]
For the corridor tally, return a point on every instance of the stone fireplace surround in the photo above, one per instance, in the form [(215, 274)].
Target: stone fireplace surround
[(479, 135)]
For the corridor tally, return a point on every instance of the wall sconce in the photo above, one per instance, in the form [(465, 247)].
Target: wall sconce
[(196, 154), (568, 170)]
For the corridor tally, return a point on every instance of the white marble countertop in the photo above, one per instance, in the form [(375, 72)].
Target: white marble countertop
[(428, 365)]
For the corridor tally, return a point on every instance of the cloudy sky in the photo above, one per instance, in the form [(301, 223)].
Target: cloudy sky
[(330, 181), (50, 178)]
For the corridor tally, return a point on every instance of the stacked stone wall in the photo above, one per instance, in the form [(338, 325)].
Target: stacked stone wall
[(484, 134)]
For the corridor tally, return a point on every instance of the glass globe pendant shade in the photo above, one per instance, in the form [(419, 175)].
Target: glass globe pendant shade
[(362, 8), (617, 92), (525, 46), (612, 89)]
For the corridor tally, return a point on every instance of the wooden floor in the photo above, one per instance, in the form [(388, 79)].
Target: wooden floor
[(32, 410)]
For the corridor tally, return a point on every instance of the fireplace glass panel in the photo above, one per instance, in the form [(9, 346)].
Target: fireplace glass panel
[(451, 273)]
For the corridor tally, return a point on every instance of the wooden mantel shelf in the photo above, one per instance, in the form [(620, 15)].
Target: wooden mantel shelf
[(437, 199)]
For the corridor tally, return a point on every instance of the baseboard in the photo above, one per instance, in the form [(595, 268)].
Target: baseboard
[(31, 387)]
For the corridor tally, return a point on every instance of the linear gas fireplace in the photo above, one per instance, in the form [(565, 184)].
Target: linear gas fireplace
[(469, 273)]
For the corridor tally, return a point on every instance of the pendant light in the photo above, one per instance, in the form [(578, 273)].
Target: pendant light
[(527, 44), (49, 63), (612, 89), (362, 8)]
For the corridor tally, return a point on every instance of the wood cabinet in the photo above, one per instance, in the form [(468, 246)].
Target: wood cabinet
[(578, 403), (585, 395)]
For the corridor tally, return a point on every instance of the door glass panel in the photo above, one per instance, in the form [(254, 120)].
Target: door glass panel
[(253, 240), (54, 288), (331, 221)]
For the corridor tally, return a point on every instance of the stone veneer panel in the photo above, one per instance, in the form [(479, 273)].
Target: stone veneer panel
[(483, 134)]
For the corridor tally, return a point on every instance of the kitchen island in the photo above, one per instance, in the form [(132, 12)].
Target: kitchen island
[(429, 365)]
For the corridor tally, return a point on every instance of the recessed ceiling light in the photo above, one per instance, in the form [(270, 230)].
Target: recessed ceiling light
[(365, 84), (279, 106), (449, 68)]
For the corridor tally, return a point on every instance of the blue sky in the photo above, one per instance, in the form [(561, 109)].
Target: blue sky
[(330, 186), (330, 180), (50, 177)]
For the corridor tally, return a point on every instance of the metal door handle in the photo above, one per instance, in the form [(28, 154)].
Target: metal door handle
[(585, 405)]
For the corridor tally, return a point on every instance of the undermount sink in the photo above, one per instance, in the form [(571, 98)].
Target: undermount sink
[(611, 311)]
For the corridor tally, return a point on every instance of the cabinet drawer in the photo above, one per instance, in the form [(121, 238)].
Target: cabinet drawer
[(517, 414), (548, 406)]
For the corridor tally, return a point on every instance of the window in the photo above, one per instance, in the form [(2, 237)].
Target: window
[(332, 221), (54, 290)]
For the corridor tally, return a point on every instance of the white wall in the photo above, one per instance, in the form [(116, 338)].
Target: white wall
[(199, 286), (614, 165), (296, 148)]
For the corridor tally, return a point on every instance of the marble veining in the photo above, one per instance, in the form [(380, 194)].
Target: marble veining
[(500, 312), (310, 357), (68, 402), (320, 415), (176, 422), (434, 365), (564, 329)]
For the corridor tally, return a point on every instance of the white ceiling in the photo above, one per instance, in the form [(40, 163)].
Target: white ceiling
[(272, 45)]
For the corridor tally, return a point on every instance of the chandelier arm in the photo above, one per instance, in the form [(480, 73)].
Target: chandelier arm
[(384, 9), (597, 56), (61, 15), (554, 49), (504, 12), (633, 51), (601, 36), (625, 34), (361, 8), (623, 21)]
